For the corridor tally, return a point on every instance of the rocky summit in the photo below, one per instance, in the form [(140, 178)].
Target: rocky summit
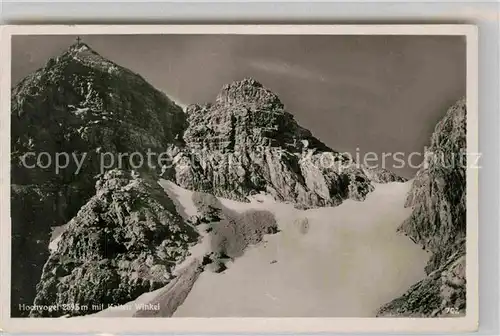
[(246, 142), (438, 223), (82, 102)]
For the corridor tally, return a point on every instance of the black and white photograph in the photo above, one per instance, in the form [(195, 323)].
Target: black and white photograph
[(241, 175)]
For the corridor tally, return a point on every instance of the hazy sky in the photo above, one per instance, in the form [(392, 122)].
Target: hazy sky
[(375, 93)]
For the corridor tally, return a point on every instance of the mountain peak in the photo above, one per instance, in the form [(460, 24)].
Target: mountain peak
[(248, 81), (79, 46), (248, 90), (82, 53), (83, 50)]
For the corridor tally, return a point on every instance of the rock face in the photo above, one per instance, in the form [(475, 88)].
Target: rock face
[(438, 223), (34, 208), (77, 103), (123, 242), (246, 143)]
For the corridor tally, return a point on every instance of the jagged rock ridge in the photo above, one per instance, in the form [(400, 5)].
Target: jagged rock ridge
[(438, 223), (246, 142)]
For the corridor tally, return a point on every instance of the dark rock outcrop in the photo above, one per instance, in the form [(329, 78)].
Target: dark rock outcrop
[(35, 211), (231, 232), (235, 232), (438, 223), (209, 208), (123, 242)]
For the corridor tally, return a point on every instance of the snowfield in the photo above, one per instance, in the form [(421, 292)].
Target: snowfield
[(56, 236), (346, 262), (343, 261)]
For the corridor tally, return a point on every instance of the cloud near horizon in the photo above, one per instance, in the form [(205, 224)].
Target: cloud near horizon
[(287, 69)]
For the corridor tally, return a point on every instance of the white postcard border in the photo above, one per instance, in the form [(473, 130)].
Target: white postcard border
[(242, 325)]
